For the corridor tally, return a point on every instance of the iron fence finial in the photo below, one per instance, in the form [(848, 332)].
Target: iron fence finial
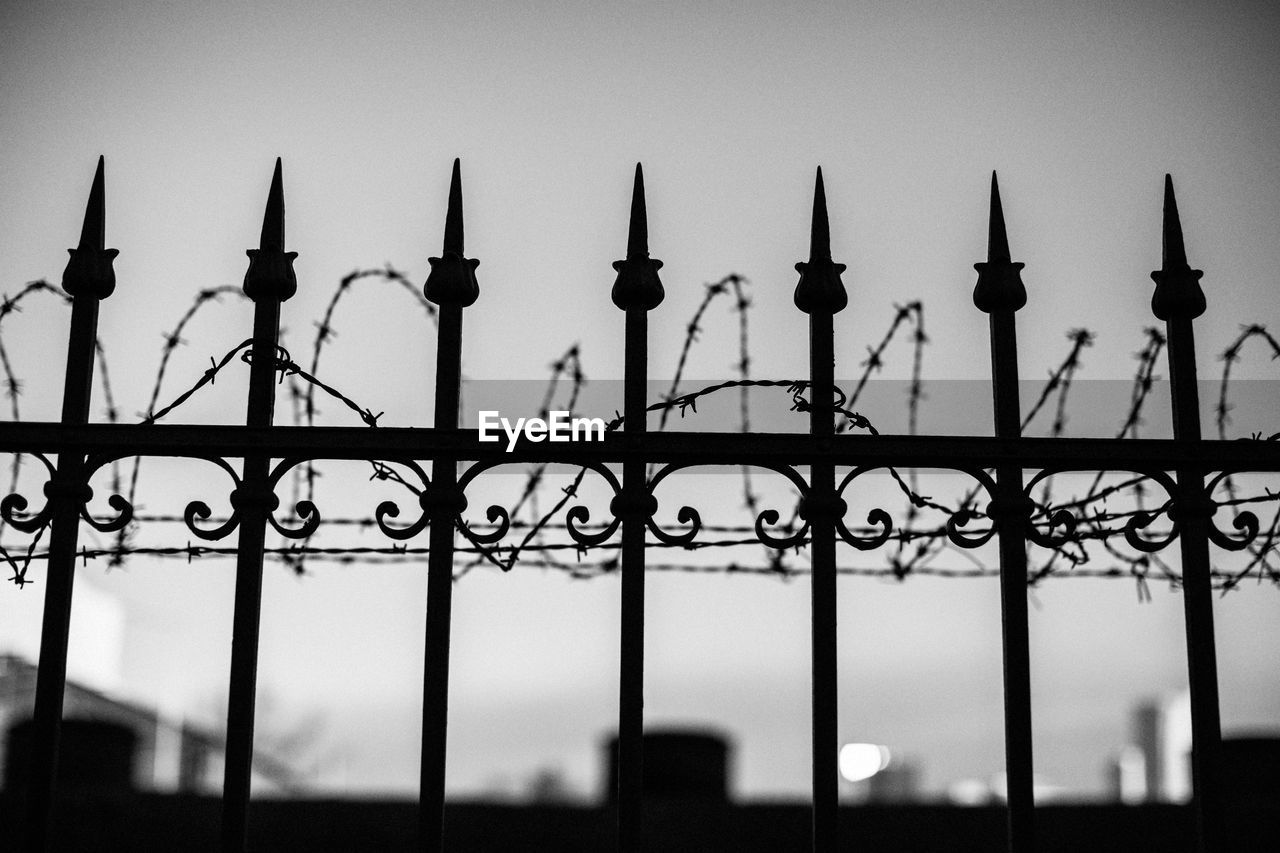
[(273, 218), (1178, 292), (999, 286), (820, 287), (89, 271), (820, 226), (452, 280), (638, 227), (270, 274), (997, 236), (637, 284), (453, 232)]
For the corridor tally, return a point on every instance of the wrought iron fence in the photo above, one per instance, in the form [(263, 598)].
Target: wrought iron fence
[(270, 452)]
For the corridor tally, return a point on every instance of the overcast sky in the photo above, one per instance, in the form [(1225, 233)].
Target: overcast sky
[(1082, 107)]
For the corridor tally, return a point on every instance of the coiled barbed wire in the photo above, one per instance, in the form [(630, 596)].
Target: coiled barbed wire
[(916, 548)]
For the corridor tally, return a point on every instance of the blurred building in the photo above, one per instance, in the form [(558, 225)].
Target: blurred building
[(1155, 766), (679, 764), (122, 743), (898, 782)]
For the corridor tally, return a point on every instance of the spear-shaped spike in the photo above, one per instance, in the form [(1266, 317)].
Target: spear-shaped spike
[(452, 280), (270, 274), (999, 286), (637, 284), (820, 287), (638, 231), (93, 235), (820, 230), (273, 219), (997, 237), (1174, 253), (1178, 293), (89, 271), (453, 236)]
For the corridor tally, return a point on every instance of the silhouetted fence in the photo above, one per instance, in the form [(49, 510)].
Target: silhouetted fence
[(270, 453)]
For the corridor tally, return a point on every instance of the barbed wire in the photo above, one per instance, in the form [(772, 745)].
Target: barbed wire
[(916, 548), (586, 570)]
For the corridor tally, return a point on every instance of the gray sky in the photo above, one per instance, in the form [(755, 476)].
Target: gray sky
[(1082, 107)]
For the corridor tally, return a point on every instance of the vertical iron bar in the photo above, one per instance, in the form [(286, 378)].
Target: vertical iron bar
[(1000, 293), (820, 294), (1015, 631), (451, 285), (637, 290), (1178, 300), (435, 685), (631, 648), (823, 593), (268, 282), (88, 279)]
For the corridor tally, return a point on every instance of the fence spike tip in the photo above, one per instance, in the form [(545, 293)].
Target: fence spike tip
[(89, 271), (637, 284), (453, 233), (997, 235), (1173, 250), (93, 234), (999, 286), (820, 287), (270, 274), (820, 227), (1178, 293), (452, 280), (272, 238), (638, 228)]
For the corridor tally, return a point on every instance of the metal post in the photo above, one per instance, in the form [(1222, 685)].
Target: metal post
[(636, 291), (452, 285), (268, 282), (1000, 293), (89, 278), (820, 294), (1178, 300)]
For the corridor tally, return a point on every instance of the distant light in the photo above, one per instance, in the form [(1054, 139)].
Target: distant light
[(860, 761), (969, 792)]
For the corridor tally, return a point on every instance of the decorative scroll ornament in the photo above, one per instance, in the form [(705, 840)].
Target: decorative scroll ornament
[(875, 517), (1062, 518), (1141, 521), (1245, 522), (56, 489), (579, 514), (16, 504), (770, 517), (304, 509), (495, 514), (960, 519), (687, 515), (390, 509), (648, 506), (124, 513), (960, 538), (200, 509)]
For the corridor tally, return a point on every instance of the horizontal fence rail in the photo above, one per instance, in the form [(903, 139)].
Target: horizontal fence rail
[(820, 464), (960, 453)]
